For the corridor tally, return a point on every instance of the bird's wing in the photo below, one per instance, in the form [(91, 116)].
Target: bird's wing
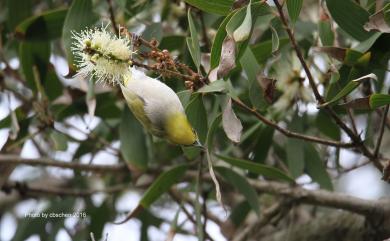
[(137, 107)]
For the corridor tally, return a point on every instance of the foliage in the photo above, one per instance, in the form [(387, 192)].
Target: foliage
[(268, 104)]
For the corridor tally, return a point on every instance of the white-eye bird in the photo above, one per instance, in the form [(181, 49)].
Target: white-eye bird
[(105, 57), (158, 108)]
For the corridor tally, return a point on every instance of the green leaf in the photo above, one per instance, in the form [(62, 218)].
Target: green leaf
[(99, 216), (275, 39), (365, 45), (239, 213), (172, 42), (184, 96), (18, 11), (243, 31), (378, 100), (325, 32), (294, 148), (260, 169), (263, 51), (326, 125), (79, 16), (353, 84), (236, 20), (215, 86), (161, 185), (252, 68), (316, 168), (220, 7), (34, 54), (213, 128), (133, 142), (216, 48), (193, 43), (350, 16), (294, 8), (257, 10), (263, 143), (295, 157), (51, 83), (45, 26), (59, 140), (197, 116), (242, 185)]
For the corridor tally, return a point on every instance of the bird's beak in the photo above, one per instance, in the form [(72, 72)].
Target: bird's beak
[(197, 143)]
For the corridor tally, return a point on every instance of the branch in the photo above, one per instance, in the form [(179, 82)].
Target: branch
[(290, 133), (184, 198), (112, 17), (355, 138), (44, 161), (323, 198), (186, 212), (381, 131), (318, 197), (25, 189), (266, 217)]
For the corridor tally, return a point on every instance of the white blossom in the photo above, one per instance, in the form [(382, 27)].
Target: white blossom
[(290, 82), (101, 55)]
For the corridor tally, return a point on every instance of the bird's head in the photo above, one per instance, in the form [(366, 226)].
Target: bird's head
[(179, 130)]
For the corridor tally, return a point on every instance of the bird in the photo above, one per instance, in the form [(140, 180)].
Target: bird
[(106, 58), (158, 108)]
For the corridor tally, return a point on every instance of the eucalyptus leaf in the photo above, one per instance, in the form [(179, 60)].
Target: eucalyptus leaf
[(353, 84), (260, 169), (350, 16), (294, 8), (242, 185), (133, 142), (379, 100), (193, 44)]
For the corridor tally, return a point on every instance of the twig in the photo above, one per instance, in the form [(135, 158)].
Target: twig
[(43, 161), (178, 196), (90, 135), (291, 133), (112, 17), (266, 216), (198, 207), (381, 131), (25, 189), (186, 212), (352, 119), (164, 71), (22, 140), (138, 39), (355, 138)]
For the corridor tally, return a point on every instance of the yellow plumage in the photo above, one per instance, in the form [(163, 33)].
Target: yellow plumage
[(158, 108)]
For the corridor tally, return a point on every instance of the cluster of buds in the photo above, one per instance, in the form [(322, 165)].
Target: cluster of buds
[(108, 58), (162, 62)]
